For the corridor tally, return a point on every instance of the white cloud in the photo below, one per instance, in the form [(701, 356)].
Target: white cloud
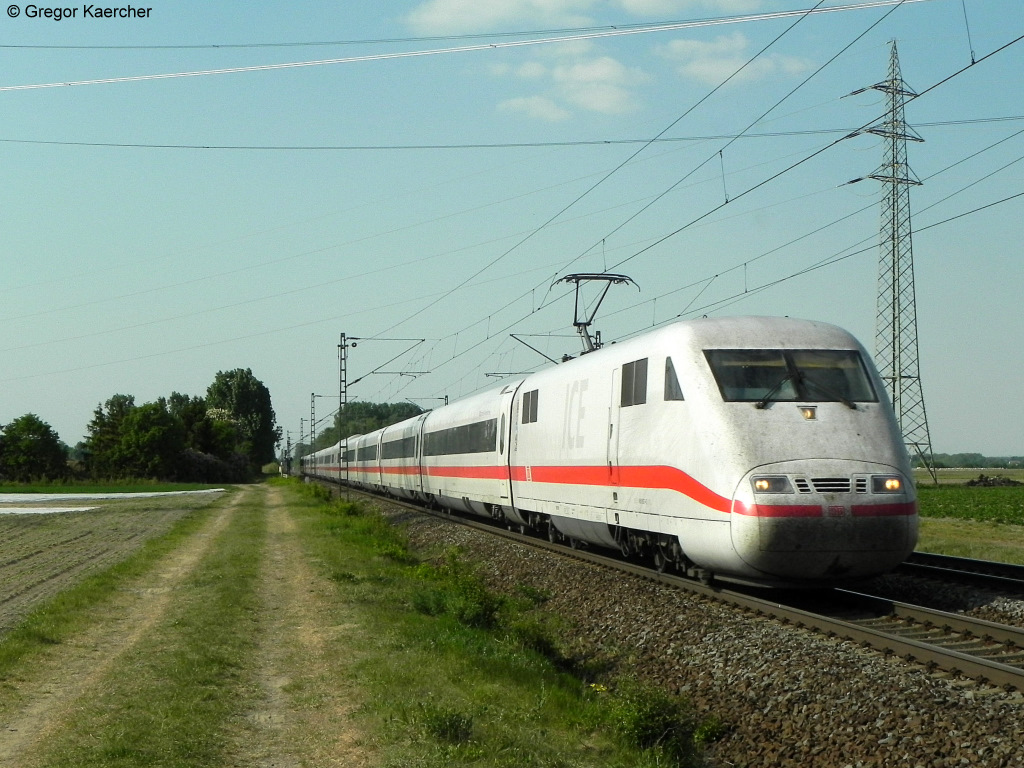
[(712, 62), (598, 85), (459, 16), (693, 49), (595, 84), (532, 70), (438, 17), (569, 79), (665, 8), (539, 107)]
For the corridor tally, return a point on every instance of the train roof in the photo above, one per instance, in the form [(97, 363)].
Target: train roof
[(737, 332), (752, 331)]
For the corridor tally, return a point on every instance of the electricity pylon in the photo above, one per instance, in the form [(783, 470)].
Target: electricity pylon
[(896, 319)]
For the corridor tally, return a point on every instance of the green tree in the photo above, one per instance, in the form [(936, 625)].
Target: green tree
[(360, 417), (31, 450), (174, 438), (102, 446), (246, 401), (191, 411), (151, 442)]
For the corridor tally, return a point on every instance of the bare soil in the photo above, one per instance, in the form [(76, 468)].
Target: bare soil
[(36, 706), (303, 715), (41, 555)]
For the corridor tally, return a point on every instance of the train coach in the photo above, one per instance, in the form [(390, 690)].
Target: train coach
[(760, 450)]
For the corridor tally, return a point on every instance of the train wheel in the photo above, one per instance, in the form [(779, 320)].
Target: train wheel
[(552, 533), (574, 543)]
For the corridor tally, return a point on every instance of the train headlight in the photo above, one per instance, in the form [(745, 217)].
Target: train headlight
[(886, 484), (772, 484)]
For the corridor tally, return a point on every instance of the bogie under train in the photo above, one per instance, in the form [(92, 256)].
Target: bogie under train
[(755, 449)]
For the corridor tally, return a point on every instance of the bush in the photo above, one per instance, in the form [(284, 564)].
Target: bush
[(455, 589), (650, 719), (315, 491), (198, 467)]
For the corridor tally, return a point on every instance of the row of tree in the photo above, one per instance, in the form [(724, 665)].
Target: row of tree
[(973, 460), (226, 436), (358, 418)]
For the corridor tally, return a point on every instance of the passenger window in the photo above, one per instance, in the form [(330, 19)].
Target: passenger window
[(634, 383), (672, 389)]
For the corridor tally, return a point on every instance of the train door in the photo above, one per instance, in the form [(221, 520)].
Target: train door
[(417, 459), (612, 454), (509, 412)]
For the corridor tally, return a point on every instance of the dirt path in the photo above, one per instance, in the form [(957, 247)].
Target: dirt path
[(305, 653), (36, 706)]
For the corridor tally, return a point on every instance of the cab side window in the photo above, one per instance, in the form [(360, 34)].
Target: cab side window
[(530, 406), (672, 389)]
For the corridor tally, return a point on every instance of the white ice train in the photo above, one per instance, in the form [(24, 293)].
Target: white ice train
[(756, 449)]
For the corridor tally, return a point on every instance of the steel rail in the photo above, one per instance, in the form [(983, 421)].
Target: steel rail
[(868, 631), (989, 574)]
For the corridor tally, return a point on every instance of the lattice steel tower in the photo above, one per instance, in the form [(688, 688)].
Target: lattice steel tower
[(896, 319)]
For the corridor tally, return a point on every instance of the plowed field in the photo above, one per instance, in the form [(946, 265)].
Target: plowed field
[(40, 555)]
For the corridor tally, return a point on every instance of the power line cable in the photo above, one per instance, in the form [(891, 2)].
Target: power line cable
[(611, 173), (707, 280), (754, 122), (944, 80), (481, 145), (745, 293), (691, 223), (576, 37), (812, 155), (424, 38)]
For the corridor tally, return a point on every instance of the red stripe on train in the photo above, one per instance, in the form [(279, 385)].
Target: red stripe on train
[(660, 477), (901, 509), (655, 477)]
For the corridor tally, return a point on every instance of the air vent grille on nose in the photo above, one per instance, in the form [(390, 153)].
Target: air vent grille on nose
[(831, 484)]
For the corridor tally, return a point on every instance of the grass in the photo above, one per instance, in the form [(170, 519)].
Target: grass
[(173, 698), (978, 540), (454, 674), (985, 523)]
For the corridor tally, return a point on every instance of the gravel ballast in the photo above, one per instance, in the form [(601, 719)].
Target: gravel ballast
[(789, 697)]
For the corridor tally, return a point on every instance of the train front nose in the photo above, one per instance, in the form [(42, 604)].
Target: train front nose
[(816, 521)]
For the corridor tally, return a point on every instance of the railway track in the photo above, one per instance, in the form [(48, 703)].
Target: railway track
[(1001, 577), (987, 652)]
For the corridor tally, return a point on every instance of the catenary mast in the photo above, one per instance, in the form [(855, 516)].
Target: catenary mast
[(896, 320)]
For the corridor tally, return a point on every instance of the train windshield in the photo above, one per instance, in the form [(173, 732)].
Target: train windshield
[(808, 375)]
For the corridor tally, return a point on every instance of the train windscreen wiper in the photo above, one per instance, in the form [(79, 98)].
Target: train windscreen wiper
[(770, 394), (810, 383)]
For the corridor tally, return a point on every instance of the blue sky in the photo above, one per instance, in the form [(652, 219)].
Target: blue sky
[(455, 157)]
